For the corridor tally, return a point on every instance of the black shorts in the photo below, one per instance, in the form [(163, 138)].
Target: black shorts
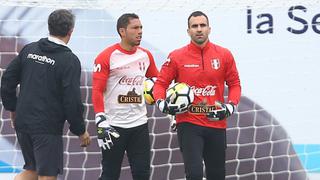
[(42, 153), (136, 142), (200, 144)]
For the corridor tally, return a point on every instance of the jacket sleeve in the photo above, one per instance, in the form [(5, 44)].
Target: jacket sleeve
[(164, 79), (9, 81), (73, 107), (232, 80)]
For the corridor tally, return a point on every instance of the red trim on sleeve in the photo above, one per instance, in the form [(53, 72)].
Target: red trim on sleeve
[(100, 77), (97, 95), (152, 70)]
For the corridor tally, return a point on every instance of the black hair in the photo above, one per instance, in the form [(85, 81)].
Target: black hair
[(195, 14), (124, 19), (60, 22)]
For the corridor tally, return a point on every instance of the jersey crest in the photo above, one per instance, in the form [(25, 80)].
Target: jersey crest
[(142, 66), (215, 63)]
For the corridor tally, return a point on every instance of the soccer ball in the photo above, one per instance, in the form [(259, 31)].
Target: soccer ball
[(180, 93), (148, 89)]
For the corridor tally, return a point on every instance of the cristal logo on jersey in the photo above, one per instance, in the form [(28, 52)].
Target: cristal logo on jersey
[(201, 108), (130, 97), (215, 63), (97, 68), (204, 91)]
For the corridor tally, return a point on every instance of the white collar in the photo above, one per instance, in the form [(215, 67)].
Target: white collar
[(57, 41)]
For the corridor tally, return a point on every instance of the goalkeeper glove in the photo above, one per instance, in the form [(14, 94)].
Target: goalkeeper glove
[(105, 131), (173, 123), (165, 106), (222, 111)]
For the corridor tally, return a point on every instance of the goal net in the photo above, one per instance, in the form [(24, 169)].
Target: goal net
[(258, 147)]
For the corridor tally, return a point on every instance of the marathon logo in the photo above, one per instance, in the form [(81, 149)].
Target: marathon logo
[(41, 59), (191, 65), (201, 109), (131, 98)]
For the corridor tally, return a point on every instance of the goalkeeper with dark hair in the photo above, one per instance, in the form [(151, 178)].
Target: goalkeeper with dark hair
[(117, 96), (49, 77), (205, 67)]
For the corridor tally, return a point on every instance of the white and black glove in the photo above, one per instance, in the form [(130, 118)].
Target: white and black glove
[(173, 123), (165, 106), (105, 131), (222, 111)]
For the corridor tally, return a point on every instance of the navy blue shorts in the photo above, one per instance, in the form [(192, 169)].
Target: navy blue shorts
[(42, 153)]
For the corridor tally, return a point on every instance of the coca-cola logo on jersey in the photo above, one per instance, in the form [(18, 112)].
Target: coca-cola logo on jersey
[(204, 91), (137, 80)]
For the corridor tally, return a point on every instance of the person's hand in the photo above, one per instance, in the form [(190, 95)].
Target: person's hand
[(13, 118), (105, 131), (222, 111), (173, 123), (85, 139), (165, 106)]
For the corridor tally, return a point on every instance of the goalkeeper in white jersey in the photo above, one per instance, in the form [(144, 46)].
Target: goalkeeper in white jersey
[(117, 96)]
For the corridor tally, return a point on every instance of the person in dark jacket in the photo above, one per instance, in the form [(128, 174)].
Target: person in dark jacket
[(49, 77)]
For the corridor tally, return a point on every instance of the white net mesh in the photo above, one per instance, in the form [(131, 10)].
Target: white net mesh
[(258, 146)]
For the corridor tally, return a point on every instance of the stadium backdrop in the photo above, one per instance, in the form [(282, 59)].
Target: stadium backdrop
[(276, 50)]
